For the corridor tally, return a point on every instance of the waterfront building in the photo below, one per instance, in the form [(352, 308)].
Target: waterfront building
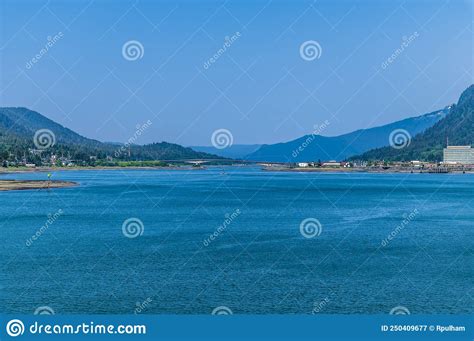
[(458, 155), (331, 163)]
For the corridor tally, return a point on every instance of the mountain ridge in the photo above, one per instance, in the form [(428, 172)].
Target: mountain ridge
[(235, 151), (18, 126), (457, 128), (343, 146)]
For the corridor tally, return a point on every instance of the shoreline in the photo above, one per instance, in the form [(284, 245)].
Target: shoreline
[(359, 170), (20, 185), (55, 169), (264, 168)]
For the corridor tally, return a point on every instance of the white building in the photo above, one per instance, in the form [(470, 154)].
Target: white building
[(331, 163), (458, 155)]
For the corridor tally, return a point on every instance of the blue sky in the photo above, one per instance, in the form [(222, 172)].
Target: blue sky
[(260, 88)]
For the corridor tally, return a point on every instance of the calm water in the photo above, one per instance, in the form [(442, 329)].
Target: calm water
[(259, 262)]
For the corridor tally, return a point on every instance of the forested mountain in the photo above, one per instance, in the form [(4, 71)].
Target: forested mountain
[(457, 127), (314, 147), (235, 151), (18, 127)]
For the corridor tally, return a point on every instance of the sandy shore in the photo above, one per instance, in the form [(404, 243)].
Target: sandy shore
[(14, 185)]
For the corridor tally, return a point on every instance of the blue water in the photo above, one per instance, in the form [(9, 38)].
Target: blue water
[(259, 263)]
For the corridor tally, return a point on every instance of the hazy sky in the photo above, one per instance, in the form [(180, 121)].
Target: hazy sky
[(260, 88)]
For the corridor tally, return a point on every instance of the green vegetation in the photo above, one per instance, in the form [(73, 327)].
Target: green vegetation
[(457, 126), (104, 163), (17, 148)]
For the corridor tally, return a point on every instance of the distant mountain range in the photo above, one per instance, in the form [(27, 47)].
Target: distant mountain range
[(342, 147), (236, 151), (427, 137), (457, 127), (18, 127)]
